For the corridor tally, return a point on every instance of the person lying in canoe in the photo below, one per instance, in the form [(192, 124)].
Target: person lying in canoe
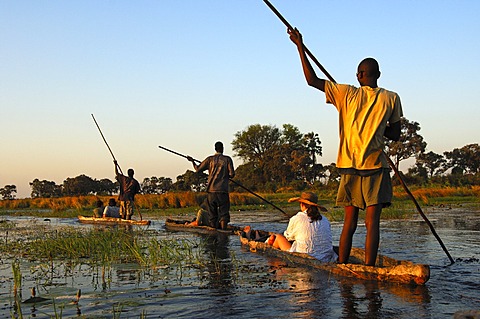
[(308, 231), (202, 219)]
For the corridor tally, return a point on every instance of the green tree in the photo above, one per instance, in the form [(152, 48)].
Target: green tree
[(433, 163), (465, 159), (45, 189), (276, 158), (259, 145), (256, 142), (79, 186), (313, 146), (191, 181), (150, 185), (247, 175), (332, 174), (411, 143), (416, 174), (8, 191), (156, 185), (106, 187)]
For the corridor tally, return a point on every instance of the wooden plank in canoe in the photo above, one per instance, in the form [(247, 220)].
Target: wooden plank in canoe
[(111, 221), (181, 225), (386, 269)]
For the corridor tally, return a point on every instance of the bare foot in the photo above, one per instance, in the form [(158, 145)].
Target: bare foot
[(271, 240), (247, 229)]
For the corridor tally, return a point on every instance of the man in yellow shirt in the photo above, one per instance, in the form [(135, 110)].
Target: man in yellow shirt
[(366, 115)]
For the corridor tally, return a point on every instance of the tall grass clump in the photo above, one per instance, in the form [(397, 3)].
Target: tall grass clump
[(98, 246), (104, 247)]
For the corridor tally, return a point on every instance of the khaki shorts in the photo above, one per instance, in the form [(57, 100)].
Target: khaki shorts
[(364, 191)]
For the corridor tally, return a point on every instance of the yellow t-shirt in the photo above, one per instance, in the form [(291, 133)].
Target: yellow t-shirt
[(363, 116)]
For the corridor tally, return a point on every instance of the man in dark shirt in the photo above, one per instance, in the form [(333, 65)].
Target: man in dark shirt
[(220, 170), (129, 187)]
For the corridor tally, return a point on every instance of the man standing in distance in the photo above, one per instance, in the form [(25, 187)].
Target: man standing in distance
[(129, 187), (220, 170), (366, 114)]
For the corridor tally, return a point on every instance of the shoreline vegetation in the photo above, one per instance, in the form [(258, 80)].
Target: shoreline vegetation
[(187, 203), (36, 251)]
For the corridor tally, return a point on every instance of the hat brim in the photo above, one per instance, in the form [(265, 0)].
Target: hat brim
[(305, 201)]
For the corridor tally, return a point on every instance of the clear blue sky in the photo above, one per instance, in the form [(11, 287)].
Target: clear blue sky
[(184, 74)]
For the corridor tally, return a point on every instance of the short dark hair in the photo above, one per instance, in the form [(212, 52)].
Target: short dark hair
[(372, 66), (130, 172), (219, 147)]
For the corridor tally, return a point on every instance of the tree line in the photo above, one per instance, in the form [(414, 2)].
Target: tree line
[(285, 158)]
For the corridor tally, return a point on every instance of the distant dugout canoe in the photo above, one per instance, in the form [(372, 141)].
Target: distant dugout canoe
[(386, 269), (112, 221), (182, 225)]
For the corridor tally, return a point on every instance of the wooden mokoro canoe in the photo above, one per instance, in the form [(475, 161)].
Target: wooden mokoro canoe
[(182, 225), (111, 221), (386, 269)]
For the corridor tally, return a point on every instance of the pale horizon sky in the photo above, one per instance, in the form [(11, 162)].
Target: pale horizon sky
[(184, 74)]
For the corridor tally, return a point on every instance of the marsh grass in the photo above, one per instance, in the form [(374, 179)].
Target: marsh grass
[(56, 254)]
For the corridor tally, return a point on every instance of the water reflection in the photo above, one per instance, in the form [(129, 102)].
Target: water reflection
[(221, 281), (309, 291), (354, 300), (219, 264)]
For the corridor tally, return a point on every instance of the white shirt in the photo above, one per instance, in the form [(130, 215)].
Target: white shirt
[(111, 211), (314, 238)]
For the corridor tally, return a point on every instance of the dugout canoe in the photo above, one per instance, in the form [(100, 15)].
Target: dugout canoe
[(111, 221), (182, 225), (386, 269)]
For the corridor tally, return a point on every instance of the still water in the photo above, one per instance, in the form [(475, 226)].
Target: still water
[(239, 284)]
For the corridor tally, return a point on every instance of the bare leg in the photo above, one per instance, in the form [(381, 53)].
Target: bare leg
[(372, 223), (349, 228), (281, 242)]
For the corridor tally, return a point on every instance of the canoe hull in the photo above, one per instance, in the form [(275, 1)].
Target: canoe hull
[(111, 221), (386, 269)]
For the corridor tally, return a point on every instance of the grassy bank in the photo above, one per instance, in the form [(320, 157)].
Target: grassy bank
[(186, 203)]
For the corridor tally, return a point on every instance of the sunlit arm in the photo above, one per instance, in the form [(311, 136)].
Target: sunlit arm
[(393, 131), (310, 75)]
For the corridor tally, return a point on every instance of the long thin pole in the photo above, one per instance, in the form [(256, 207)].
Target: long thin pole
[(390, 162), (307, 51), (231, 179), (139, 212), (106, 142), (419, 209)]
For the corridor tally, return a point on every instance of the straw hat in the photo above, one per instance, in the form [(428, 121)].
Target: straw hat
[(308, 198)]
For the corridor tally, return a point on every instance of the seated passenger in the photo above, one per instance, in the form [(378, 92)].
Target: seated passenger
[(112, 210), (98, 211), (308, 231)]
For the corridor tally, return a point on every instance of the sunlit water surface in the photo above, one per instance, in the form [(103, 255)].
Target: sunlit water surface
[(240, 284)]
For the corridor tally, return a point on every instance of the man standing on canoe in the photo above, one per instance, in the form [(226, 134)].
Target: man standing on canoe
[(220, 170), (129, 187), (366, 115)]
